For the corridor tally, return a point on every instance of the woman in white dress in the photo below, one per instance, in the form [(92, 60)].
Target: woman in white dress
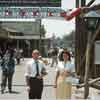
[(65, 70)]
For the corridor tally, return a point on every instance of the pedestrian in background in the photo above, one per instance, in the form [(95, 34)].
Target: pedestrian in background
[(8, 69), (54, 57), (34, 73), (18, 56)]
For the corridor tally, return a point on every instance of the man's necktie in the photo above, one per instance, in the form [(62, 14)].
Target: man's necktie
[(37, 68)]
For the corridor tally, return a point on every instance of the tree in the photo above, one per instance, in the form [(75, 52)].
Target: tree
[(66, 41)]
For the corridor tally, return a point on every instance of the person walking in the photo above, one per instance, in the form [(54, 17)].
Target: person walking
[(34, 73), (54, 57), (65, 71), (18, 56), (8, 69)]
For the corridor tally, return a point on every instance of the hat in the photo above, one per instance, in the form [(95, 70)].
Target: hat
[(35, 51)]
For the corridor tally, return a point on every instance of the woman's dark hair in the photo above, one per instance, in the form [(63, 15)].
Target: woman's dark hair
[(61, 55)]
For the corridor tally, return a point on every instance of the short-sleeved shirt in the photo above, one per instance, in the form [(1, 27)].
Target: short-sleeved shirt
[(70, 67), (30, 69), (66, 66)]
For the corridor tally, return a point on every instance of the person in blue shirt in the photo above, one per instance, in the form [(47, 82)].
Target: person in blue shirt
[(8, 69)]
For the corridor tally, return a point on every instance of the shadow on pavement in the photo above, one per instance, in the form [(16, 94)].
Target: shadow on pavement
[(45, 85), (12, 92)]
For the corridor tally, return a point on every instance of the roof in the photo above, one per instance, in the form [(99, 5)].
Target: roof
[(23, 27), (26, 37), (10, 29)]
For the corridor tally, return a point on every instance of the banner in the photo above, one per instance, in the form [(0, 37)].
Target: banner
[(72, 14), (37, 12)]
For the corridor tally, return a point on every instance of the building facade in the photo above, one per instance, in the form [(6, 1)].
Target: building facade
[(23, 35)]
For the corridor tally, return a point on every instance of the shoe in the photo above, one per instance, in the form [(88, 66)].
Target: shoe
[(10, 91)]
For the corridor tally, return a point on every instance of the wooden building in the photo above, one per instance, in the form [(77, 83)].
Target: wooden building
[(81, 38)]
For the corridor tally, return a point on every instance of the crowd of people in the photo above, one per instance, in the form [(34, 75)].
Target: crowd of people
[(35, 71)]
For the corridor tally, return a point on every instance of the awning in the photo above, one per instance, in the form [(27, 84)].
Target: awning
[(26, 37)]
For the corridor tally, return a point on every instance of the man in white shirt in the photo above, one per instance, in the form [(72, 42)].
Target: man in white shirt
[(34, 76)]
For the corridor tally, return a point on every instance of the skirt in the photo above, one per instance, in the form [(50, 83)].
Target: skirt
[(64, 89)]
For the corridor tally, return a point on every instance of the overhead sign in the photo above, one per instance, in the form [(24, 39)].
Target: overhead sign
[(17, 13), (30, 12), (37, 3)]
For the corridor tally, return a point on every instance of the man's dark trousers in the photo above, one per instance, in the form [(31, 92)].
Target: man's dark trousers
[(36, 88), (5, 77)]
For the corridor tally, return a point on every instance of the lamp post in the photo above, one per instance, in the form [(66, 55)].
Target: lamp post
[(92, 20)]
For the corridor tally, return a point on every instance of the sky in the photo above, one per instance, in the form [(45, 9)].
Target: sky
[(59, 28)]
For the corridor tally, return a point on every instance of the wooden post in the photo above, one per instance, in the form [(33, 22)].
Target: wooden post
[(87, 67), (80, 42), (77, 3), (83, 3), (88, 51)]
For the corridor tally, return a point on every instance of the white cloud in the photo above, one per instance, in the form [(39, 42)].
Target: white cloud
[(60, 27), (57, 27)]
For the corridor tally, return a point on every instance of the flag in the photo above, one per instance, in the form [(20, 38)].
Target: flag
[(72, 14)]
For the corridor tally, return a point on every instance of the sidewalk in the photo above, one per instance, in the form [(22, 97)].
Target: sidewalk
[(20, 93)]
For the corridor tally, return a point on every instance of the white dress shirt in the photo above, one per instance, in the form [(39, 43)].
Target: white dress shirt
[(30, 69)]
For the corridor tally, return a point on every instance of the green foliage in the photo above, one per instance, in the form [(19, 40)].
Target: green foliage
[(66, 41)]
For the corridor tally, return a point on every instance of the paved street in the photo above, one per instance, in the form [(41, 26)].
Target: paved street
[(20, 93)]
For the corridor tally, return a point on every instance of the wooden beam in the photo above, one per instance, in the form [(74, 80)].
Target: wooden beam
[(95, 86), (95, 35), (90, 83), (90, 3), (86, 9), (95, 7)]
